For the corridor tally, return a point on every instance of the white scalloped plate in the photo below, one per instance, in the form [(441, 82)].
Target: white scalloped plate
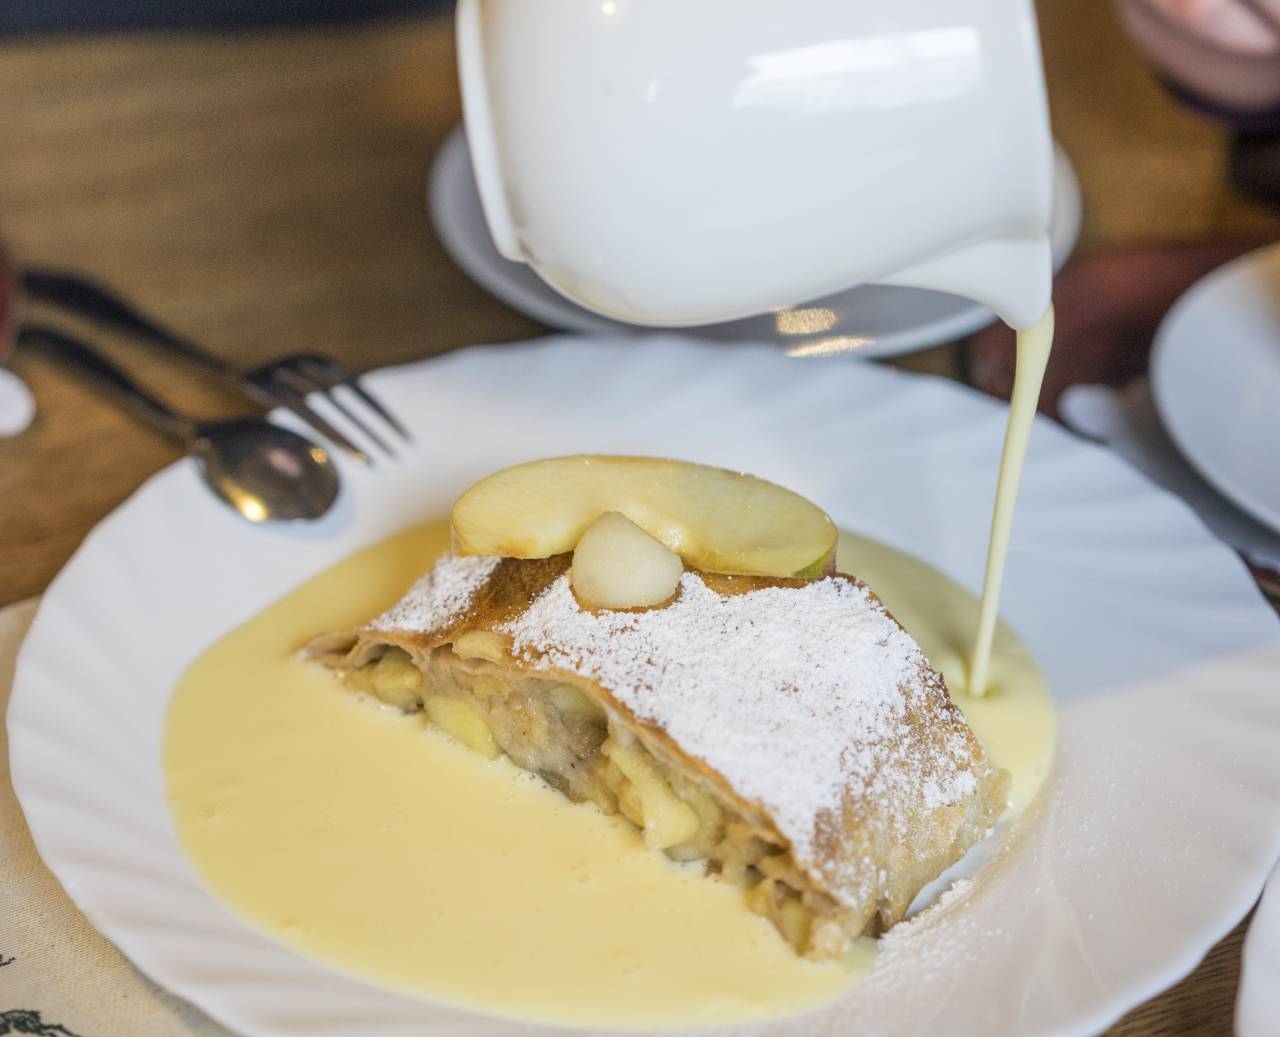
[(1163, 817)]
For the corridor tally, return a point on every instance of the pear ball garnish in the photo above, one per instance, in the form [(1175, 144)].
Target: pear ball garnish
[(617, 565)]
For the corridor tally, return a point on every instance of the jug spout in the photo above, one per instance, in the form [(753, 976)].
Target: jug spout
[(1012, 275)]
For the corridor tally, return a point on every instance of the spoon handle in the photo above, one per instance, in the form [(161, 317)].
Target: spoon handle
[(76, 354)]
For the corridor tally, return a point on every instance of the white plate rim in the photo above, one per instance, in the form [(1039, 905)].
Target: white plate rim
[(1258, 1001)]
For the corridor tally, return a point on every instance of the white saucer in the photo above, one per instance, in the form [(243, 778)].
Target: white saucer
[(1215, 371), (882, 320)]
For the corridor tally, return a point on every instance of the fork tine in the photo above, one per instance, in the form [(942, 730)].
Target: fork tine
[(296, 403), (358, 422), (370, 400), (293, 371), (340, 375)]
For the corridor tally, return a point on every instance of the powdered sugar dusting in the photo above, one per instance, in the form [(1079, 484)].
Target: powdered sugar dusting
[(439, 597), (805, 698)]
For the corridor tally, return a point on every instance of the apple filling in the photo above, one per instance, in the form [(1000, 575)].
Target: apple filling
[(556, 731)]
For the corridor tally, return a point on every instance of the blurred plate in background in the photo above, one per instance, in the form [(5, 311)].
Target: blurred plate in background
[(1215, 372)]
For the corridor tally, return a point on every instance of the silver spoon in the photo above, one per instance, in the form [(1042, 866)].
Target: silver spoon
[(265, 472)]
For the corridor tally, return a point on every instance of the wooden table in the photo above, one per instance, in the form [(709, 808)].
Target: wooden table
[(264, 193)]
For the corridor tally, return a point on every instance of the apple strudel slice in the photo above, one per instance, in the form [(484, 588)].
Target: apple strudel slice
[(787, 732)]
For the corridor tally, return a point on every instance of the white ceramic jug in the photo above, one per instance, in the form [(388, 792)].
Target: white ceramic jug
[(692, 161)]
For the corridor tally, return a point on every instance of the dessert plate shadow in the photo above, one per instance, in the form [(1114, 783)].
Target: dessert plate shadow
[(1155, 834)]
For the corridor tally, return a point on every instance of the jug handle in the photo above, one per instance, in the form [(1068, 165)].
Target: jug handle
[(482, 142)]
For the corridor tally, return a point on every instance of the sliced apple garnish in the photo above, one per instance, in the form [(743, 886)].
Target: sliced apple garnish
[(714, 519)]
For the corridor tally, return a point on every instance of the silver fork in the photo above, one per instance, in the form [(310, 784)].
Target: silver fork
[(286, 382)]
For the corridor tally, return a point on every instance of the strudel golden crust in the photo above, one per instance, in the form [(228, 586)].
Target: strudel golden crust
[(788, 732)]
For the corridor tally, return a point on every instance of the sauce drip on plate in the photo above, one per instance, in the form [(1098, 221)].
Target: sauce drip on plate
[(1034, 346)]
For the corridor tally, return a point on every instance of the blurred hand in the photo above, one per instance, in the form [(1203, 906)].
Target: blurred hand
[(1249, 26)]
